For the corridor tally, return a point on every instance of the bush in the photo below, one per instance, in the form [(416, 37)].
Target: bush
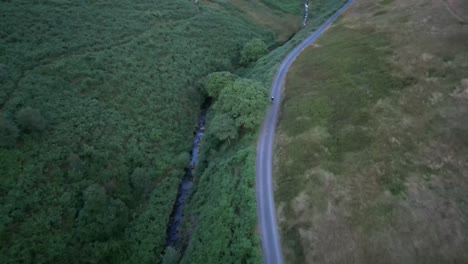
[(30, 120), (252, 51), (8, 132)]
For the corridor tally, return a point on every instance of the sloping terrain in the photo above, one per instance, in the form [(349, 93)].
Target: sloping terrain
[(372, 150), (97, 108), (282, 23), (221, 222)]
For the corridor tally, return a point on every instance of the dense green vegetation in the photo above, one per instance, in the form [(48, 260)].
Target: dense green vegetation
[(371, 162), (222, 218), (98, 102), (98, 105), (252, 51), (289, 6), (293, 7), (225, 195)]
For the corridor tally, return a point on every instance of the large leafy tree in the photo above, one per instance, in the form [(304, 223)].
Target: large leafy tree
[(244, 101), (216, 81), (223, 127)]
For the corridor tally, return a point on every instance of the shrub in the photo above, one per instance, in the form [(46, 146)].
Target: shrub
[(30, 120), (8, 132), (252, 51)]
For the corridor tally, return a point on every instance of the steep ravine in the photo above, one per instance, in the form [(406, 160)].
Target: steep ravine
[(177, 216), (176, 220)]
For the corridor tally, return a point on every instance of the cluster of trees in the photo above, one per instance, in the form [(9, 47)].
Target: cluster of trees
[(221, 219), (239, 104)]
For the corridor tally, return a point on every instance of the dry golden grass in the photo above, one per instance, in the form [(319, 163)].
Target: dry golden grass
[(385, 181)]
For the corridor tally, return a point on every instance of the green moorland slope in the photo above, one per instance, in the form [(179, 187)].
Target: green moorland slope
[(372, 144), (97, 108)]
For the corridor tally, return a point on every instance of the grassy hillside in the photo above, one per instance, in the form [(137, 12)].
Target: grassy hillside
[(97, 109), (371, 157)]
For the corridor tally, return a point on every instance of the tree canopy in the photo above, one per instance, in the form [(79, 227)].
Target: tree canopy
[(216, 81), (244, 101), (31, 119), (253, 50), (223, 127)]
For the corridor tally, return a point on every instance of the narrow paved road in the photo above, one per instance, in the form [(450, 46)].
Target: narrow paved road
[(271, 245)]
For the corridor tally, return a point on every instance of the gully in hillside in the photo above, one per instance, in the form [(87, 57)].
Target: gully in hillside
[(184, 189)]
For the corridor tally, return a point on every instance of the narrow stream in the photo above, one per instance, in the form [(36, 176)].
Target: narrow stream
[(184, 189), (306, 11)]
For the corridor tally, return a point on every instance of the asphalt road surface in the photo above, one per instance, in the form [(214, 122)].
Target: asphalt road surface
[(271, 245)]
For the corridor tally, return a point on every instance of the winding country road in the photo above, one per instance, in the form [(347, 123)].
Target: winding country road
[(271, 245)]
